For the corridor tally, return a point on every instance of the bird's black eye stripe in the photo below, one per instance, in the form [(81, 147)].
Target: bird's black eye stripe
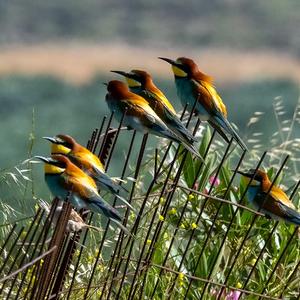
[(137, 78), (182, 67), (59, 164), (64, 143), (257, 177)]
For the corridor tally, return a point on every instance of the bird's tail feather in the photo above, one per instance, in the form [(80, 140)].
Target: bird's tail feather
[(125, 201), (121, 226), (193, 150), (167, 133), (107, 183), (183, 133), (93, 227), (219, 129), (292, 215), (175, 124), (228, 127), (188, 146), (100, 206)]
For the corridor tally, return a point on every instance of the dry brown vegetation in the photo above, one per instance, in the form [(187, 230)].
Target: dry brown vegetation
[(78, 63)]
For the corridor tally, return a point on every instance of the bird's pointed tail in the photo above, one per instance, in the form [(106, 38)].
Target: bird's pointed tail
[(222, 123), (292, 215), (121, 226), (125, 202), (100, 206), (193, 150)]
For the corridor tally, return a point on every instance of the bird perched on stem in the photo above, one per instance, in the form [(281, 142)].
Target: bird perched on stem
[(85, 160), (194, 86), (141, 83), (67, 182), (75, 222), (272, 202), (138, 114)]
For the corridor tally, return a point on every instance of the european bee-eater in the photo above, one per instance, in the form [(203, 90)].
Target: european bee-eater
[(86, 160), (273, 203), (194, 86), (141, 83), (66, 181), (138, 114)]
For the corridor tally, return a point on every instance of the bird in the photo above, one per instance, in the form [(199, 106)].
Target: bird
[(87, 161), (75, 221), (141, 83), (195, 87), (69, 183), (138, 114), (274, 202)]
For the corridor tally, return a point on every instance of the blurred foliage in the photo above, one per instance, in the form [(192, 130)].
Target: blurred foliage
[(230, 23)]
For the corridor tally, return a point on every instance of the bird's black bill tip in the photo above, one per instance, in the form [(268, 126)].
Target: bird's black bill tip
[(48, 160), (42, 158), (49, 138), (105, 83), (245, 173), (119, 72), (168, 60)]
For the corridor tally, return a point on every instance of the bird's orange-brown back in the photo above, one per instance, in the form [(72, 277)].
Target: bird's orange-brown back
[(276, 193), (75, 175), (148, 84)]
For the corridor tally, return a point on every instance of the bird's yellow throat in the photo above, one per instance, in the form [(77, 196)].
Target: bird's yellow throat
[(132, 83), (51, 169), (178, 72), (59, 149), (253, 182)]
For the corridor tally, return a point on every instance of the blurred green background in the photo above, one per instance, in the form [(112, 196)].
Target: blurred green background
[(37, 102)]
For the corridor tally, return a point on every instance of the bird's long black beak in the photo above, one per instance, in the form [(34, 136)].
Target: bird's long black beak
[(125, 74), (246, 174), (51, 139), (48, 160), (168, 60)]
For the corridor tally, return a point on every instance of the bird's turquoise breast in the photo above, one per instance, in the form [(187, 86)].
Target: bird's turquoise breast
[(115, 107), (251, 195), (136, 89), (56, 186), (185, 91), (54, 183)]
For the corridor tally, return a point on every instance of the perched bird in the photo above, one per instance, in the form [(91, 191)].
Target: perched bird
[(66, 181), (273, 203), (138, 114), (194, 86), (87, 161), (75, 222), (141, 83)]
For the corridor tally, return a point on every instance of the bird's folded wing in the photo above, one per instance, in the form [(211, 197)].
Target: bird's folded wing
[(210, 99), (279, 195), (142, 111), (159, 96), (269, 204), (178, 125), (278, 203), (84, 186), (89, 157), (290, 213)]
